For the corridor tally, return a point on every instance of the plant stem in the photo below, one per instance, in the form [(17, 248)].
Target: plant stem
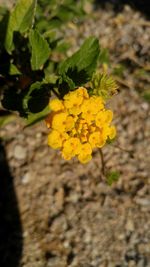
[(102, 161), (55, 93), (124, 149)]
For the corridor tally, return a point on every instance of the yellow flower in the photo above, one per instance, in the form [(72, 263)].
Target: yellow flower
[(83, 137), (108, 131), (84, 158), (79, 124), (69, 124), (96, 140), (92, 128), (85, 152), (73, 132), (92, 105), (70, 148), (72, 102), (97, 104), (55, 139), (49, 119), (104, 117), (62, 122), (112, 132), (59, 121), (87, 111), (56, 105), (81, 91)]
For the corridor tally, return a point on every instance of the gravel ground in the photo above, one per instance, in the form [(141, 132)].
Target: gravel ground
[(69, 216)]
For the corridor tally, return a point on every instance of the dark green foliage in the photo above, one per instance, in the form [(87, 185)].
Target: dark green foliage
[(78, 69), (12, 100), (84, 59), (29, 36), (40, 49), (32, 100), (20, 20)]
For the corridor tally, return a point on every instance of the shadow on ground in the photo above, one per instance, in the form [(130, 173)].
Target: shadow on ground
[(10, 224), (142, 6)]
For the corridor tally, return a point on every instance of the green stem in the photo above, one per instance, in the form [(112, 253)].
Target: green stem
[(55, 93)]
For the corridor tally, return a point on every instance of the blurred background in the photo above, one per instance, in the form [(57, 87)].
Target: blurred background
[(56, 213)]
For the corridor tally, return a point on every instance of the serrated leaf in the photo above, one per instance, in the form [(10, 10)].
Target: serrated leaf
[(40, 49), (84, 59), (81, 65), (36, 117), (21, 19)]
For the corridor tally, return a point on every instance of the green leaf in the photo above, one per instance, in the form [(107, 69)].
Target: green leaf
[(55, 23), (13, 70), (40, 49), (4, 17), (36, 117), (81, 65), (62, 47), (65, 13), (104, 56), (12, 99), (37, 98), (6, 119), (50, 79), (51, 34), (50, 68), (21, 19), (34, 86), (112, 177)]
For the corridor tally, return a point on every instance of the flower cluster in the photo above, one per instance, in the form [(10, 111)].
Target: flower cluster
[(79, 123)]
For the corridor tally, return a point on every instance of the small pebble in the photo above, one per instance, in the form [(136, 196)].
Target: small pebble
[(26, 178), (20, 152), (130, 225)]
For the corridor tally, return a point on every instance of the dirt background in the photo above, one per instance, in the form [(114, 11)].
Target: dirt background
[(57, 213)]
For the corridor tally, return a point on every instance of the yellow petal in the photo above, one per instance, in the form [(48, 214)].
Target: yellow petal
[(59, 121), (112, 132), (54, 139), (84, 158), (56, 104)]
